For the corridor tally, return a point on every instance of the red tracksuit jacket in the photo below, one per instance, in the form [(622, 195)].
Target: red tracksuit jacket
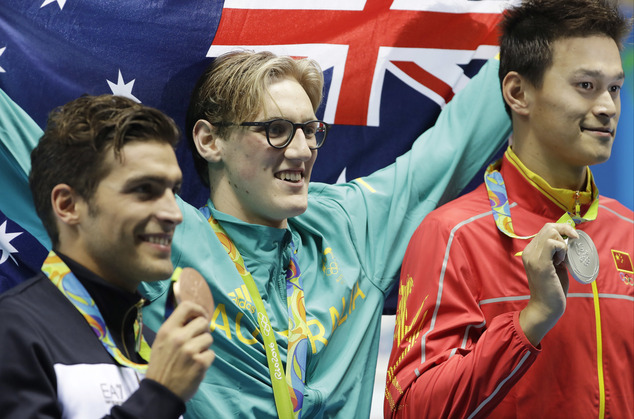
[(458, 349)]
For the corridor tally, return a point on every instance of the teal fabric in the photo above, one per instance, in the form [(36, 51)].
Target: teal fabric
[(350, 243), (19, 135)]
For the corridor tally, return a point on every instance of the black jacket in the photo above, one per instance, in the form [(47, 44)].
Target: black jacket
[(53, 364)]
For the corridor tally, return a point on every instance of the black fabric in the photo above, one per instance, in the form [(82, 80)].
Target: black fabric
[(40, 328)]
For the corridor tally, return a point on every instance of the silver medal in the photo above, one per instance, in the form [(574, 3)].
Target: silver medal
[(582, 258)]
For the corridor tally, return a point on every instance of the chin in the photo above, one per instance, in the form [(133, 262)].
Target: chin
[(158, 273), (601, 157), (296, 207), (297, 211)]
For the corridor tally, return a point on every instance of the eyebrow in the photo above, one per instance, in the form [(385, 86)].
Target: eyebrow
[(272, 117), (153, 179), (597, 74)]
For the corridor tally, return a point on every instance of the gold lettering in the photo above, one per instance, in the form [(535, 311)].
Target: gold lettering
[(401, 313), (220, 310), (241, 338), (359, 293), (334, 315), (355, 292), (404, 332), (320, 336)]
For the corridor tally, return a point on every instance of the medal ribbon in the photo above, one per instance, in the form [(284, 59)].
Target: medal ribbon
[(62, 277), (498, 199), (289, 396)]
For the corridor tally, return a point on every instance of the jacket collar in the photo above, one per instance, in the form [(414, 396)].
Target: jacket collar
[(549, 202)]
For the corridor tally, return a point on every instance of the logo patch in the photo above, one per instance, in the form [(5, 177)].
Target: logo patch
[(623, 263), (242, 299), (330, 266)]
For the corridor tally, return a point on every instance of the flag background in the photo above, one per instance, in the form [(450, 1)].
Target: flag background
[(390, 66)]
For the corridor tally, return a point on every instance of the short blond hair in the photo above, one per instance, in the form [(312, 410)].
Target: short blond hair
[(233, 87)]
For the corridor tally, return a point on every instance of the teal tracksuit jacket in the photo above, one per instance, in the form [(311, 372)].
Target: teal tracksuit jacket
[(350, 244)]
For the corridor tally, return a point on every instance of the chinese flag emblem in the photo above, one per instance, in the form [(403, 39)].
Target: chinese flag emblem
[(623, 261)]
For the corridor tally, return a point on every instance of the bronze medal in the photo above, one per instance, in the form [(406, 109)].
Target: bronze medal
[(191, 286)]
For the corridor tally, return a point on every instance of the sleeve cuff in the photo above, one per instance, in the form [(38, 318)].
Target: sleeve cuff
[(522, 336), (151, 400)]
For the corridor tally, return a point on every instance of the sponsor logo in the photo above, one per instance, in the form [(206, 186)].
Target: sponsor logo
[(330, 266), (276, 362), (264, 324), (242, 299), (113, 394), (406, 334)]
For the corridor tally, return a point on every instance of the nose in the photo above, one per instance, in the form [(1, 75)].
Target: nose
[(298, 148), (168, 212), (607, 105)]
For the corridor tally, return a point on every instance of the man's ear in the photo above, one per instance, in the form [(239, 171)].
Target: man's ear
[(515, 90), (64, 201), (207, 141)]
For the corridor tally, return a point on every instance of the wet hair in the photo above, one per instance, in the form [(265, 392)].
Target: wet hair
[(529, 30), (233, 87), (76, 139)]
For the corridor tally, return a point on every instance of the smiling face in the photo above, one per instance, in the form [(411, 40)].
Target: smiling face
[(124, 233), (260, 184), (572, 117)]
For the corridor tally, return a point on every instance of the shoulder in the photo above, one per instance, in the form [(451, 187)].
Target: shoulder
[(25, 292), (329, 194), (325, 199), (611, 208), (33, 302), (459, 212), (26, 312), (191, 214)]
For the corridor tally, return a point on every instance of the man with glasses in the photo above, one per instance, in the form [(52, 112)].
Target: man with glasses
[(300, 272)]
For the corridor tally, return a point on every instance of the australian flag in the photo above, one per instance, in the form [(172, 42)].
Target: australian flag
[(17, 265), (390, 65)]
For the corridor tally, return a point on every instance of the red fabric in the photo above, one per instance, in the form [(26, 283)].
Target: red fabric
[(447, 363), (365, 32)]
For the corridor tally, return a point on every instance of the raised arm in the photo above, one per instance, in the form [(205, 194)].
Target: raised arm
[(19, 134), (390, 203)]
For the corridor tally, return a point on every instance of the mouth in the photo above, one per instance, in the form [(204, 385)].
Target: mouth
[(599, 130), (292, 176), (163, 240)]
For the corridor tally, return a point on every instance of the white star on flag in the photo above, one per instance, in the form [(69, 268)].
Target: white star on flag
[(2, 70), (122, 88), (5, 244), (61, 3)]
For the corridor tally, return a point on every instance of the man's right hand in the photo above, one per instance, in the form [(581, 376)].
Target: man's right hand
[(547, 276), (181, 352)]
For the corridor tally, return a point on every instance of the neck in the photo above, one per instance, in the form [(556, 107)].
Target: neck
[(232, 207), (77, 252), (557, 175)]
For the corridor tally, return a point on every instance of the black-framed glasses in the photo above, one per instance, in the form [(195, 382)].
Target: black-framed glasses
[(280, 132)]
